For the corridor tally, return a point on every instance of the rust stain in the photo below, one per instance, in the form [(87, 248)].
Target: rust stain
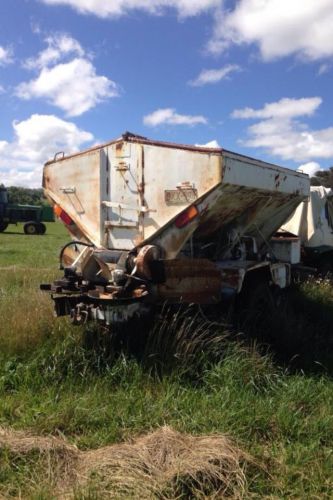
[(190, 280), (139, 140), (119, 149)]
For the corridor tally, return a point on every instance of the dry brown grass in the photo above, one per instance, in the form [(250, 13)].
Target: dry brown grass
[(162, 464)]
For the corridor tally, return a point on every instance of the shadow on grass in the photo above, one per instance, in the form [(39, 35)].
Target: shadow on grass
[(177, 340), (299, 333), (15, 233), (12, 233), (183, 342)]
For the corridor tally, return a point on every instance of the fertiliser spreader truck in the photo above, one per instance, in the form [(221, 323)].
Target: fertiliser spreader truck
[(153, 222)]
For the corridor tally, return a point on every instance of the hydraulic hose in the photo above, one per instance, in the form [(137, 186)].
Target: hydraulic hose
[(75, 242)]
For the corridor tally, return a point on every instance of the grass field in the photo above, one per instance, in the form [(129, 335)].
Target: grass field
[(61, 381)]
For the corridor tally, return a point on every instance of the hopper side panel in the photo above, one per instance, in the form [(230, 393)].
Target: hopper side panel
[(245, 172), (173, 179), (74, 184)]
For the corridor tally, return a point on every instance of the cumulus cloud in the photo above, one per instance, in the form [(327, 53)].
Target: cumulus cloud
[(278, 28), (116, 8), (281, 133), (209, 76), (72, 85), (310, 168), (36, 140), (169, 116), (284, 108), (58, 46), (6, 56)]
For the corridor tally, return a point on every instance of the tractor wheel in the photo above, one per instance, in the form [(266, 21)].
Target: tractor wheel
[(31, 228), (3, 226), (41, 228)]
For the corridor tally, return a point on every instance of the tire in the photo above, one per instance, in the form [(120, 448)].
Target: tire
[(3, 226), (31, 228), (41, 228)]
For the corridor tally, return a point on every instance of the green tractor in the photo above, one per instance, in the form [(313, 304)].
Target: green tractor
[(32, 216)]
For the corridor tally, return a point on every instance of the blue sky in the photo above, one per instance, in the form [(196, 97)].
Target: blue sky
[(253, 76)]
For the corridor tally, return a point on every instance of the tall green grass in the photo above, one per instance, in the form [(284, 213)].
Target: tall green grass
[(67, 387), (26, 261), (194, 376), (299, 332)]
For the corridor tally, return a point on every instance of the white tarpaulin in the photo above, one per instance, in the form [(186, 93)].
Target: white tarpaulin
[(312, 221)]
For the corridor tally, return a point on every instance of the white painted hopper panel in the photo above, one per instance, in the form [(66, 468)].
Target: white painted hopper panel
[(130, 191), (75, 185), (312, 221)]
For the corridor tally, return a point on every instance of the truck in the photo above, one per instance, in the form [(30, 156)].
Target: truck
[(32, 216), (154, 222), (312, 224)]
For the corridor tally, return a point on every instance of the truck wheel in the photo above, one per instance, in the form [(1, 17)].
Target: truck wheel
[(30, 228), (3, 226), (41, 228)]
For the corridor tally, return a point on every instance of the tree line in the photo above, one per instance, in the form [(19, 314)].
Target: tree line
[(323, 178), (26, 196)]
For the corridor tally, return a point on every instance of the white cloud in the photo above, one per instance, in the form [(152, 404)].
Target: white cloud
[(35, 27), (73, 86), (281, 134), (67, 78), (210, 144), (324, 68), (310, 168), (208, 76), (284, 108), (5, 56), (169, 116), (116, 8), (3, 145), (35, 141), (278, 27), (58, 46)]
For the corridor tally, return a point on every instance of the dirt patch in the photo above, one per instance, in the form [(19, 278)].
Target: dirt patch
[(162, 464)]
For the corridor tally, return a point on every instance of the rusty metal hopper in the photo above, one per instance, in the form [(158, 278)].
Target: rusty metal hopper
[(134, 191)]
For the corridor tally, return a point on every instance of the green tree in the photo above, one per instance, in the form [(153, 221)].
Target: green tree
[(26, 196), (323, 178)]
